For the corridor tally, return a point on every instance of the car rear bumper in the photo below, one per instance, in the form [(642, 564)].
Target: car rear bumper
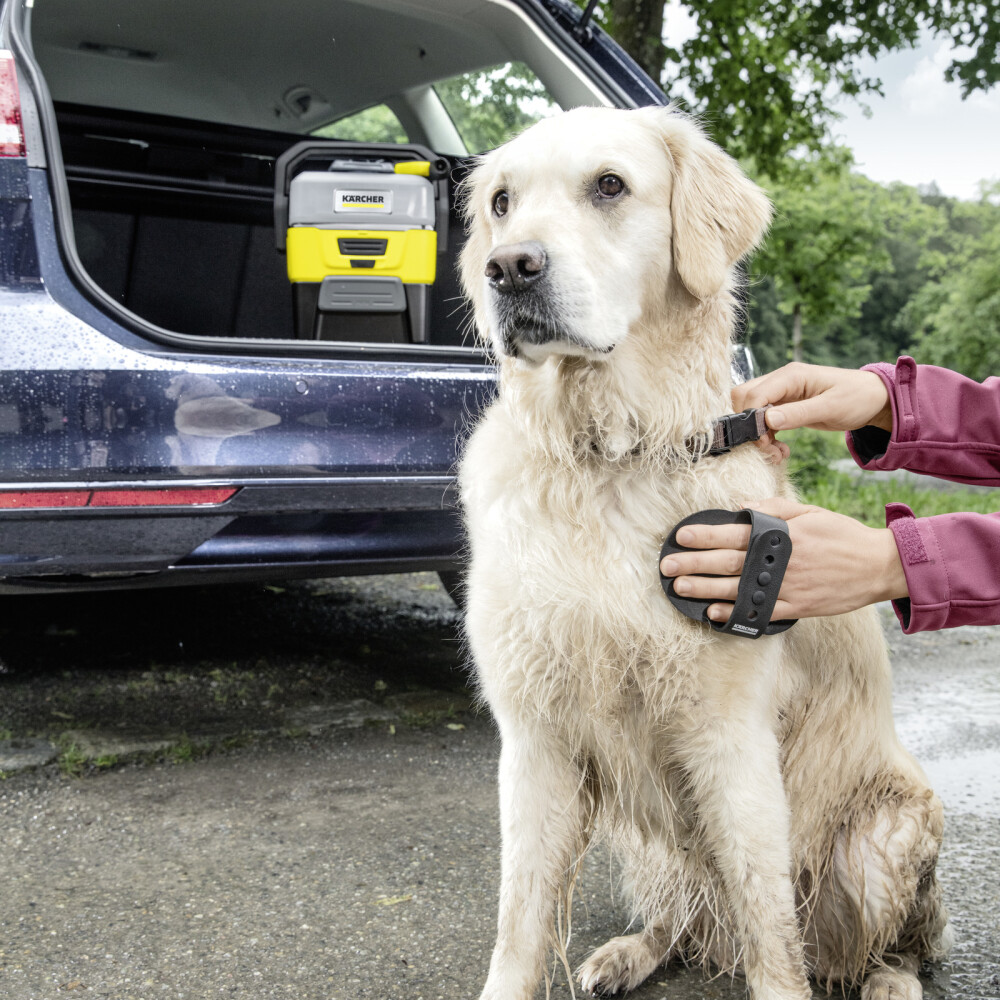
[(341, 526)]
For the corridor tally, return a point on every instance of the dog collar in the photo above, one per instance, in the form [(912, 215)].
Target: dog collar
[(727, 432), (734, 429)]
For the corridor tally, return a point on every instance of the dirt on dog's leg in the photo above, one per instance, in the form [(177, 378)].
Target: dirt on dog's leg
[(732, 760), (542, 816)]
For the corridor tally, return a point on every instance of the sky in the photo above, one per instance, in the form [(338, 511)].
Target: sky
[(921, 131)]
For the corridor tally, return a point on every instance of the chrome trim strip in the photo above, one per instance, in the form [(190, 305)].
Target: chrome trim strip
[(166, 484)]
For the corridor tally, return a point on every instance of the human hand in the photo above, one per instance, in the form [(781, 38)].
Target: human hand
[(828, 399), (837, 564)]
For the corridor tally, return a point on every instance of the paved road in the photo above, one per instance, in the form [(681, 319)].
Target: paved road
[(237, 829)]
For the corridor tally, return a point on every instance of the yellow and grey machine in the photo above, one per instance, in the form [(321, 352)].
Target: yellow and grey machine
[(362, 249)]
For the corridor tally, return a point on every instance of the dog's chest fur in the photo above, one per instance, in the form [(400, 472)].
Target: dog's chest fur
[(568, 624), (567, 618)]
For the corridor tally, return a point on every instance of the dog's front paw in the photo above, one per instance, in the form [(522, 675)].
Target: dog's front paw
[(620, 965)]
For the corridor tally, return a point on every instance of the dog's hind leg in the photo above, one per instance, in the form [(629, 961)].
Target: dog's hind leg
[(544, 810), (665, 894), (879, 907)]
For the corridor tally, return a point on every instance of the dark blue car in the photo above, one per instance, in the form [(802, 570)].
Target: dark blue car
[(177, 403)]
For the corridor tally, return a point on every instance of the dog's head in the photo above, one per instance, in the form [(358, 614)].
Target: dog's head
[(584, 223)]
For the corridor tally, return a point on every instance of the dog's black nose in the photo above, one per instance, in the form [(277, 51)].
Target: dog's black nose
[(513, 268)]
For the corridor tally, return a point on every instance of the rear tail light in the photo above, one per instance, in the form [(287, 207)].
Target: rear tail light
[(181, 496), (16, 499), (197, 496), (11, 129)]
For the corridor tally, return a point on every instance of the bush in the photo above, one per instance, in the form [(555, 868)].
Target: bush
[(813, 454)]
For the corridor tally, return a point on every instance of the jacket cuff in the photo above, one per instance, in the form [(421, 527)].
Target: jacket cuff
[(869, 445), (926, 609), (939, 598)]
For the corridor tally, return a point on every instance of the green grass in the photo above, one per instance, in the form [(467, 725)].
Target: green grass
[(864, 498), (72, 761), (866, 501)]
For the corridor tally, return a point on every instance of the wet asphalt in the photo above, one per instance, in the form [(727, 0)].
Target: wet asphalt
[(287, 792)]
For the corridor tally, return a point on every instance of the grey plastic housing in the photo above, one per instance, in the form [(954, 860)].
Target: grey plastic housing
[(368, 295), (353, 199)]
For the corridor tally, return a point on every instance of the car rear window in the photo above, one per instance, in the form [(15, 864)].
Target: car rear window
[(374, 124), (489, 106)]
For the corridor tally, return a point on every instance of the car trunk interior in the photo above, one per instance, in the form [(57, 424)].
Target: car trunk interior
[(174, 219), (171, 117)]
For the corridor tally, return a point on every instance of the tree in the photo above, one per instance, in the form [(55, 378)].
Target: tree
[(913, 226), (957, 316), (767, 327), (764, 75), (825, 244)]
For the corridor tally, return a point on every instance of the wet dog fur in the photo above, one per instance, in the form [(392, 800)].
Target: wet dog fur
[(765, 816)]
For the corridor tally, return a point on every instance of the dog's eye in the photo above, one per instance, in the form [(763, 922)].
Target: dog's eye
[(610, 186), (500, 204)]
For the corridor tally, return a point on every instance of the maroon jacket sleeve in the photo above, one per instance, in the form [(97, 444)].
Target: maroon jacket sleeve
[(943, 424), (952, 568), (948, 426)]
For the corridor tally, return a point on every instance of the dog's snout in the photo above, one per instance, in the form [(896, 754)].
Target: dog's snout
[(513, 268)]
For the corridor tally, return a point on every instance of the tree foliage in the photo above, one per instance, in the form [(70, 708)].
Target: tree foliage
[(956, 315), (825, 243), (913, 225), (764, 76), (920, 275)]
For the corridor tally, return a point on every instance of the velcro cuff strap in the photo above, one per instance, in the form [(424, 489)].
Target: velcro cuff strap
[(767, 557)]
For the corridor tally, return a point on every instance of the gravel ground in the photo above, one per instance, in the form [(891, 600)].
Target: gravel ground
[(286, 792)]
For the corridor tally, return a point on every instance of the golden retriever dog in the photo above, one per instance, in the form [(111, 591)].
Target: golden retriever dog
[(765, 816)]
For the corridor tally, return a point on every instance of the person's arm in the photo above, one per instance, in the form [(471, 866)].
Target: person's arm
[(943, 424), (818, 396), (939, 572), (905, 416), (952, 568), (837, 564)]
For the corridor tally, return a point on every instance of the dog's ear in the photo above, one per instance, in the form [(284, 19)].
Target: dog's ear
[(719, 215)]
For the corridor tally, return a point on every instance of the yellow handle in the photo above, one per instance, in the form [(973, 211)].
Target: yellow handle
[(420, 167)]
